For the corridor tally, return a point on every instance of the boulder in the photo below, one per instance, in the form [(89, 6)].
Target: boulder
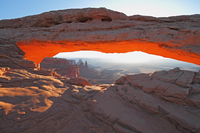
[(78, 81)]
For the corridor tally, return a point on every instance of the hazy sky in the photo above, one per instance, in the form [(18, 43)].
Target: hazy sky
[(158, 8), (114, 57)]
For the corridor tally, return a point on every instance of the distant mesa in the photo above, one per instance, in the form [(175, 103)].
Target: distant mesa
[(81, 64), (63, 67), (97, 76)]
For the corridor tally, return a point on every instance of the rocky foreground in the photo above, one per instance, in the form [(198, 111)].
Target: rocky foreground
[(33, 101)]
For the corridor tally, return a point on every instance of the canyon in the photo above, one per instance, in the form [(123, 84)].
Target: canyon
[(35, 99), (69, 68), (63, 67)]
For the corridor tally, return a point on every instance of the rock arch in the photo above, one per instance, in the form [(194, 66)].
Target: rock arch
[(104, 30)]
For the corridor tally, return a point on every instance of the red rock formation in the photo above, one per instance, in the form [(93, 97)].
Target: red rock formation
[(12, 56), (60, 66), (107, 47), (78, 81), (85, 71), (162, 102), (106, 31)]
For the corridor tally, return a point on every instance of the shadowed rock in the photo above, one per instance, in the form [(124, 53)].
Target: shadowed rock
[(60, 66), (36, 103)]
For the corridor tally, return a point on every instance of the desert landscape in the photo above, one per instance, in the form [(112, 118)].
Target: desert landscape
[(41, 94)]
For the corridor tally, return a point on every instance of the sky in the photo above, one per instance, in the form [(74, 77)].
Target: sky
[(114, 57), (136, 57), (10, 9), (129, 57)]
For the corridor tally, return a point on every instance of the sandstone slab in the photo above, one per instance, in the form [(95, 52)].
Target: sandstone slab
[(32, 102)]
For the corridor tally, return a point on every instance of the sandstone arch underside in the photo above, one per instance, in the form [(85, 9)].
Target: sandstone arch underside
[(104, 30)]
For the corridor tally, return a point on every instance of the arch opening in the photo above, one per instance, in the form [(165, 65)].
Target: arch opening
[(38, 50), (106, 68)]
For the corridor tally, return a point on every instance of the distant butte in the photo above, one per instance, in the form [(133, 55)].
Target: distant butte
[(101, 29)]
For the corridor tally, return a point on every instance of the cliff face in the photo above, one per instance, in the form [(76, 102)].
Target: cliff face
[(61, 66), (104, 30), (12, 56)]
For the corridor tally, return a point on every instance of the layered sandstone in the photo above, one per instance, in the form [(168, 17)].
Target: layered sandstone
[(12, 56), (104, 30), (60, 66), (161, 102)]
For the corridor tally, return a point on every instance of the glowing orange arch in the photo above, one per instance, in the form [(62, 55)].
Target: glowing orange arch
[(36, 50)]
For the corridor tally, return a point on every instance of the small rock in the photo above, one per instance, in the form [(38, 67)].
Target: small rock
[(78, 81)]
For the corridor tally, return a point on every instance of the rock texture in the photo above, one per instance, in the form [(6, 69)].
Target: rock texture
[(164, 101), (60, 66), (38, 100), (12, 56), (176, 37)]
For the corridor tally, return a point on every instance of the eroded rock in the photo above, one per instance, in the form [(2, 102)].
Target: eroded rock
[(60, 66), (78, 29), (78, 81), (31, 102)]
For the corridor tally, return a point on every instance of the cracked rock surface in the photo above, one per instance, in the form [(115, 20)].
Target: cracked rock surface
[(164, 101)]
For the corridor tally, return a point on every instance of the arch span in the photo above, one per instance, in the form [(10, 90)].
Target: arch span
[(37, 50), (104, 30)]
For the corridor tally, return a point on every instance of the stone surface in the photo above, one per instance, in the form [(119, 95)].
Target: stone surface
[(60, 66), (185, 79), (12, 56), (32, 102), (38, 100), (79, 29)]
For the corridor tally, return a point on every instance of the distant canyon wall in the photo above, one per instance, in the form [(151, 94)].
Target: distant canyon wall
[(100, 29), (63, 67)]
